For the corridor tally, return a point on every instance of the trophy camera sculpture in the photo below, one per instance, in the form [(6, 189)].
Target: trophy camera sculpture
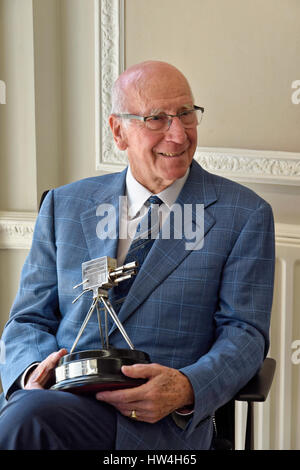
[(87, 371)]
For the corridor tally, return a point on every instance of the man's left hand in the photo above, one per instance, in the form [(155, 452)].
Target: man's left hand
[(165, 391)]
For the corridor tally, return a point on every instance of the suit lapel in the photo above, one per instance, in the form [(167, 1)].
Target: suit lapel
[(166, 255), (106, 198)]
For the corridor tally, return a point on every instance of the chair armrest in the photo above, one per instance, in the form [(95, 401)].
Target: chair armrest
[(257, 389)]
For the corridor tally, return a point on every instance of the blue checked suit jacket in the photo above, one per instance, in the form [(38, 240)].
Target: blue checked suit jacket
[(205, 312)]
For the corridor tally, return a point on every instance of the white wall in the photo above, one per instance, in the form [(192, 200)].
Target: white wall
[(17, 118), (241, 58), (47, 124)]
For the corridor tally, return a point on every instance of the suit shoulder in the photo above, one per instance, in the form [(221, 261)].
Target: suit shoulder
[(86, 186), (78, 195), (232, 192)]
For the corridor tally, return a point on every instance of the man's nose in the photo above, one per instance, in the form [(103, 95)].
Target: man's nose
[(176, 132)]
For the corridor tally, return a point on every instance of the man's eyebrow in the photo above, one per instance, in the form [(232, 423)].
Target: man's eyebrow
[(154, 112)]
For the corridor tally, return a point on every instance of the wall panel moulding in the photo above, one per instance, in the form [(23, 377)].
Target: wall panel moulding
[(16, 229), (239, 164)]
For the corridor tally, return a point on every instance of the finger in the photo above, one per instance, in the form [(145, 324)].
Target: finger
[(52, 360), (35, 378), (46, 365), (33, 385), (38, 373), (144, 409), (122, 396), (127, 409), (41, 373), (135, 393), (141, 414), (142, 371)]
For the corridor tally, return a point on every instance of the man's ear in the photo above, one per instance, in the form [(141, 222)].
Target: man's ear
[(118, 132)]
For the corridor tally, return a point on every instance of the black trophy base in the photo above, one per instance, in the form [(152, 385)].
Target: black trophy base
[(89, 372)]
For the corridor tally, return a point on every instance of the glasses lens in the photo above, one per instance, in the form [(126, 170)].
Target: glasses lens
[(161, 122), (191, 118), (157, 123)]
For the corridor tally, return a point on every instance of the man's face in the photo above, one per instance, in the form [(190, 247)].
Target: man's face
[(157, 159)]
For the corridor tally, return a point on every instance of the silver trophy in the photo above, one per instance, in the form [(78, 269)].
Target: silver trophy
[(86, 372)]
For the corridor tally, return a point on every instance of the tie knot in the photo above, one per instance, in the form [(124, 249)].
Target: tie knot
[(154, 200)]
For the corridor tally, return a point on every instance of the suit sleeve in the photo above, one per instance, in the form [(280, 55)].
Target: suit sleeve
[(242, 319), (29, 334)]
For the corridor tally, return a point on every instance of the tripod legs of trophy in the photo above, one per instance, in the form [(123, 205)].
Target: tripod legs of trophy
[(100, 327), (114, 316), (106, 327), (110, 310), (104, 340), (86, 320)]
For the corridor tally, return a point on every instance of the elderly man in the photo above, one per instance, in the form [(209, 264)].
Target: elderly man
[(201, 313)]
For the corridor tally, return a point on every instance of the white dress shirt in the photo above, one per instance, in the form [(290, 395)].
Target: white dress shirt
[(131, 215)]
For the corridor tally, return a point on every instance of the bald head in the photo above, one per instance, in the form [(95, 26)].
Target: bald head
[(159, 158), (135, 85)]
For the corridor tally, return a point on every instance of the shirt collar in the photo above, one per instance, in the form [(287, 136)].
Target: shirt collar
[(137, 194)]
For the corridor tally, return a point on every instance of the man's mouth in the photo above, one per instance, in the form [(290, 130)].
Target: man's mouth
[(171, 154)]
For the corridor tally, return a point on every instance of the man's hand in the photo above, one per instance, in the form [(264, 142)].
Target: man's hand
[(165, 391), (42, 373)]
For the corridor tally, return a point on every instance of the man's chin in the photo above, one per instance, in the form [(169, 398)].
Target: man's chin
[(171, 176), (174, 167)]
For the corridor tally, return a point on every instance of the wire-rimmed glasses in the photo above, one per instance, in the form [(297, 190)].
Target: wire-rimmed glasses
[(161, 122)]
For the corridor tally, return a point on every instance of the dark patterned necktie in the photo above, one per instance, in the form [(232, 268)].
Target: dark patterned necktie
[(146, 233)]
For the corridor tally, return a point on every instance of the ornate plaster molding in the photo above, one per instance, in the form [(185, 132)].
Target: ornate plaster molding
[(253, 166), (258, 166), (109, 63), (16, 229)]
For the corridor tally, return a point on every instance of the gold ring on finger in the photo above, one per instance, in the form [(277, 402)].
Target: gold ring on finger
[(133, 415)]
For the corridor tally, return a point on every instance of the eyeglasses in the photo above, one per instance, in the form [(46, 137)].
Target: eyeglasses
[(161, 122)]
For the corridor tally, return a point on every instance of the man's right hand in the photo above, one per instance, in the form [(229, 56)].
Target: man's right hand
[(41, 375)]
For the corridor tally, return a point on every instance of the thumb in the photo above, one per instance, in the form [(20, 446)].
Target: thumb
[(52, 360), (142, 371)]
